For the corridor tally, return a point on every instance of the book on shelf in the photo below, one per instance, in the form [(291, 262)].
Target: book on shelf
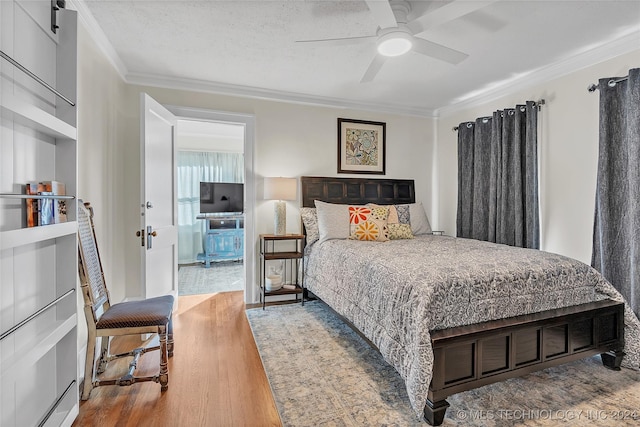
[(59, 205), (32, 204), (45, 211)]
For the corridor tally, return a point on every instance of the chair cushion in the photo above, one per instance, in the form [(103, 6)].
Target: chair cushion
[(131, 314)]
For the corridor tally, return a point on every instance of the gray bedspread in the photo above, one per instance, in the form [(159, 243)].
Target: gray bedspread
[(396, 292)]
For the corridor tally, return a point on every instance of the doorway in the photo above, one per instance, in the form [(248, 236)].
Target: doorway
[(222, 137), (210, 159)]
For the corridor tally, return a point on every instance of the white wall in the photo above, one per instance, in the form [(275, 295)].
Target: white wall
[(100, 168), (294, 140), (290, 140), (218, 137), (568, 144)]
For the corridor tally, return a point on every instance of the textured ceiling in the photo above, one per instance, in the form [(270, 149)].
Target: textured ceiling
[(252, 45)]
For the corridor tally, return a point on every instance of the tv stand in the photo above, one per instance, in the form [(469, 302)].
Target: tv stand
[(223, 239)]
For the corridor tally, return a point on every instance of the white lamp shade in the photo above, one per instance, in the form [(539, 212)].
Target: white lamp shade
[(280, 188)]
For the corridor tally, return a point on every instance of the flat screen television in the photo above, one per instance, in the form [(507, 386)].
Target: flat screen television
[(221, 197)]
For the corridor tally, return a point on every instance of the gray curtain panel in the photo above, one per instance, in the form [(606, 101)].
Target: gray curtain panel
[(498, 177), (616, 231)]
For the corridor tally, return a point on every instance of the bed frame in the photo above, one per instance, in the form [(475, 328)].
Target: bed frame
[(472, 356)]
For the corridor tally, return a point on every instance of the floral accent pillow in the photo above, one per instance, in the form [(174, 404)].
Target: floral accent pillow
[(393, 213), (400, 231), (310, 221), (369, 223)]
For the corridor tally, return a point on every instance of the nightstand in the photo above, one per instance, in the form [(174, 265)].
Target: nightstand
[(284, 255)]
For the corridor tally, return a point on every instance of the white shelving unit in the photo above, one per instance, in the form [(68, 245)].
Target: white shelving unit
[(38, 265)]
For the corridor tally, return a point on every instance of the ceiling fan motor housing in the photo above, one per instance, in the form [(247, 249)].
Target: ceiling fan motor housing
[(394, 41)]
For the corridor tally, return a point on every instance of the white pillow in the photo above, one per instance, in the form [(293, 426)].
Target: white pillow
[(419, 221), (333, 220)]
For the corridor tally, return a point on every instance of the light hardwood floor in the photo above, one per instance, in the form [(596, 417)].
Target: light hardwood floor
[(216, 377)]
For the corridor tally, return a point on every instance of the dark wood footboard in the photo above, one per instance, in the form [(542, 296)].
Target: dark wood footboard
[(472, 356)]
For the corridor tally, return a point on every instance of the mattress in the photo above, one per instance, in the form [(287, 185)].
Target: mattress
[(396, 292)]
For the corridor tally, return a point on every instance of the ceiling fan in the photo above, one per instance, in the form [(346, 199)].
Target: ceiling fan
[(396, 35)]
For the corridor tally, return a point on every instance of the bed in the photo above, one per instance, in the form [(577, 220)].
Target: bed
[(454, 314)]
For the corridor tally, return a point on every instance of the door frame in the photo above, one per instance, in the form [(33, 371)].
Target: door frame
[(248, 120)]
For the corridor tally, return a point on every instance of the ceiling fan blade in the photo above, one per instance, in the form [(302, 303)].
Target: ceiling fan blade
[(339, 41), (382, 12), (446, 13), (435, 50), (375, 66)]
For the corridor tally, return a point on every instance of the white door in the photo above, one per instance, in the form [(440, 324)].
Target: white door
[(158, 213)]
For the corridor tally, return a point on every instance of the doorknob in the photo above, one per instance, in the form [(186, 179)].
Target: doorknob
[(149, 205)]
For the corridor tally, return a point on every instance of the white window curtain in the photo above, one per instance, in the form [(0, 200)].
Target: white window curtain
[(194, 167)]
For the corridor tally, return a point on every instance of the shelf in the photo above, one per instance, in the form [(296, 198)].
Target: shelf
[(39, 352), (281, 255), (282, 236), (283, 291), (38, 119), (57, 414), (35, 314), (70, 416), (62, 418), (35, 196), (37, 347), (24, 236)]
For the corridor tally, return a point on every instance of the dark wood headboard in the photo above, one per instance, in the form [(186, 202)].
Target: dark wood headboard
[(356, 191)]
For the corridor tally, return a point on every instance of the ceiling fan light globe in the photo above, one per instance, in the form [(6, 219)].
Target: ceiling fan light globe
[(394, 44)]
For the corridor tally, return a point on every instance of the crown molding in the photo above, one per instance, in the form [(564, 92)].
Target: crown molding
[(99, 37), (601, 53), (269, 95), (112, 56)]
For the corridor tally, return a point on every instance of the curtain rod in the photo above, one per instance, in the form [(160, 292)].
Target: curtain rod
[(611, 83), (539, 103)]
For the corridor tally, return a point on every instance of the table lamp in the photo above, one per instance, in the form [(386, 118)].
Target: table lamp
[(280, 189)]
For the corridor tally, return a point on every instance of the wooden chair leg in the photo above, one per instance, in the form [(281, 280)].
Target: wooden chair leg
[(170, 345), (104, 355), (164, 356), (170, 337), (89, 365)]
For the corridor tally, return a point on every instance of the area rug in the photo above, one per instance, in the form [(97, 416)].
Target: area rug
[(324, 374), (220, 277)]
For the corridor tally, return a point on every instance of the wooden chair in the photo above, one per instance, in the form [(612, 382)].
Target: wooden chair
[(150, 316)]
